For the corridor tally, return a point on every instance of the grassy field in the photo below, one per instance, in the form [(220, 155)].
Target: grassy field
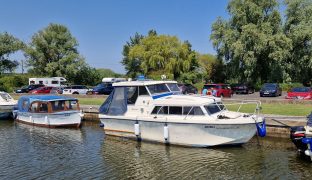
[(280, 108)]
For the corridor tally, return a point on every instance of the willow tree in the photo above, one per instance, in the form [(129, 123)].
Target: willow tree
[(163, 54), (252, 42), (8, 45), (298, 27), (53, 52)]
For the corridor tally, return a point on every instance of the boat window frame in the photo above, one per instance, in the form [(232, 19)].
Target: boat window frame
[(153, 94), (37, 109), (218, 105), (49, 106), (182, 113)]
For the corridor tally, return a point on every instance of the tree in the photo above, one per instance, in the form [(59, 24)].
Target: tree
[(132, 65), (212, 68), (53, 52), (160, 54), (8, 45), (298, 27), (252, 42)]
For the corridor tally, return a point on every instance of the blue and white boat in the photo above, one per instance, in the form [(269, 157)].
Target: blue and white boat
[(48, 111), (7, 104), (156, 111)]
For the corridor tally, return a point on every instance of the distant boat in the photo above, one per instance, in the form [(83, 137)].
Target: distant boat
[(7, 104), (48, 111), (156, 111)]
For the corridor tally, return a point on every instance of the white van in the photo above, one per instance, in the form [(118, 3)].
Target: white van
[(52, 81), (113, 80)]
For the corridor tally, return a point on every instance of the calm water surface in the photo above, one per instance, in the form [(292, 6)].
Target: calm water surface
[(28, 152)]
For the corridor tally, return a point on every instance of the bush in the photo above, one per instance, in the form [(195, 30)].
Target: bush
[(10, 82), (289, 86)]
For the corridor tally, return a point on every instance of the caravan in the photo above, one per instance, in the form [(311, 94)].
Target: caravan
[(53, 81)]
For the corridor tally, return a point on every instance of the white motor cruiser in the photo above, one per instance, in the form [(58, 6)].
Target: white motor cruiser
[(7, 104), (155, 111)]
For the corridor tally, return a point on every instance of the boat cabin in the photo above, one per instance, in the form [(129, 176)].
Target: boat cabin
[(155, 97), (47, 104)]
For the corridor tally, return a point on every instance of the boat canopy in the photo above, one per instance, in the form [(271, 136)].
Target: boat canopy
[(25, 101), (116, 103)]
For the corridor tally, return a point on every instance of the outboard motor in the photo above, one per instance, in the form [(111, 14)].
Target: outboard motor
[(301, 136)]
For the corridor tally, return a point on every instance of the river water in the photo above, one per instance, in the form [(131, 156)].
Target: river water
[(28, 152)]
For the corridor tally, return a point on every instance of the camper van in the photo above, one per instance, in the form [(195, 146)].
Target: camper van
[(52, 81), (113, 80)]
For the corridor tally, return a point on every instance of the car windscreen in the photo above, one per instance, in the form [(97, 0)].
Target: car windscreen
[(301, 89), (209, 86), (215, 107)]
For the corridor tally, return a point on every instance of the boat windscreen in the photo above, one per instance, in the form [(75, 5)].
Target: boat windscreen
[(5, 96), (173, 87), (214, 107), (158, 88)]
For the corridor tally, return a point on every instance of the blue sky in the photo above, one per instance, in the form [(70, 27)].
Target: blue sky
[(102, 27)]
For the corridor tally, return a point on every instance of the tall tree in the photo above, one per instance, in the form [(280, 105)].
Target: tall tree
[(212, 68), (132, 65), (162, 54), (251, 42), (53, 52), (298, 27), (8, 45)]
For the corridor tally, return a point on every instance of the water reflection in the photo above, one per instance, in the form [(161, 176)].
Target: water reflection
[(134, 160), (29, 152)]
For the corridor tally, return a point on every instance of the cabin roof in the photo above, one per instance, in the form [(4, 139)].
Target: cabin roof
[(141, 83), (185, 100), (46, 98)]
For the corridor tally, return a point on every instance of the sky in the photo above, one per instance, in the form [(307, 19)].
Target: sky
[(102, 27)]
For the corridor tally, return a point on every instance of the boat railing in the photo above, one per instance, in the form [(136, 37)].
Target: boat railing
[(245, 102)]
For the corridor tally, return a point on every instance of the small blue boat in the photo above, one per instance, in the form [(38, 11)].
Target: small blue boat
[(48, 111)]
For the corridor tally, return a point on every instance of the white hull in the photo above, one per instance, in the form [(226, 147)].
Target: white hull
[(186, 134), (6, 111), (60, 119)]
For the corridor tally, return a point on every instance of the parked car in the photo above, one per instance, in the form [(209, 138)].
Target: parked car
[(102, 88), (57, 90), (41, 90), (270, 89), (218, 90), (28, 88), (299, 93), (243, 88), (75, 89), (187, 88)]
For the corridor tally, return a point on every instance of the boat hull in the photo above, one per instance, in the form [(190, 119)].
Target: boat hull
[(186, 134), (6, 111), (51, 120)]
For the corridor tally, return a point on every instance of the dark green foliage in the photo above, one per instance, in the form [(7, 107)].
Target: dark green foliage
[(8, 45), (251, 42), (10, 82)]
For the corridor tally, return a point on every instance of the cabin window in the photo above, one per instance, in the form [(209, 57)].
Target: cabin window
[(31, 82), (40, 82), (194, 111), (34, 107), (132, 93), (71, 105), (142, 91), (158, 88), (160, 110), (214, 107), (173, 87), (43, 107), (58, 105), (54, 82), (175, 110)]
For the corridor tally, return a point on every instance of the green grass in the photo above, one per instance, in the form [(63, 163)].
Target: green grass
[(277, 108), (91, 101)]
